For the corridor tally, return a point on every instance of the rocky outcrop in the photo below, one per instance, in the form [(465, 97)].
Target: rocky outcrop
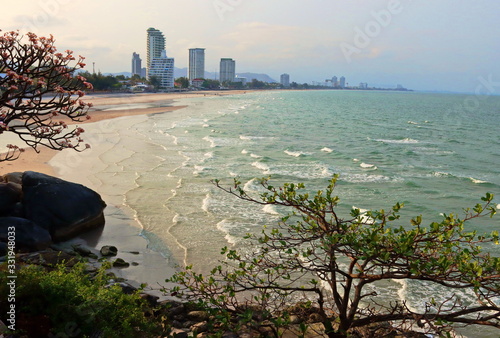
[(45, 209)]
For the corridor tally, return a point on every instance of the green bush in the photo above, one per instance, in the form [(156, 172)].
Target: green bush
[(74, 303)]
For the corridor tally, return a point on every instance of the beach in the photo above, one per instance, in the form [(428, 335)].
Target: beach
[(111, 111)]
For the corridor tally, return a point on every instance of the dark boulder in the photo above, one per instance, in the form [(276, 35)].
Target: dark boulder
[(28, 236), (64, 208), (10, 195)]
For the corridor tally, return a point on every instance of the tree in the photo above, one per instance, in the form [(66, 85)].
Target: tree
[(37, 86), (155, 81), (211, 84), (319, 260), (183, 82)]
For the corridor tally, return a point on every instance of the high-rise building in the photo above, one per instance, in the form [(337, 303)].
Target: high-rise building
[(335, 81), (163, 69), (196, 63), (342, 82), (155, 46), (285, 80), (136, 64), (227, 70)]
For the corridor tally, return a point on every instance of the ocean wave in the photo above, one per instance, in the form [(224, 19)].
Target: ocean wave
[(366, 178), (403, 141), (255, 138), (270, 209), (368, 166), (210, 140), (296, 153), (225, 226), (327, 150), (255, 155), (262, 166), (476, 181), (244, 151)]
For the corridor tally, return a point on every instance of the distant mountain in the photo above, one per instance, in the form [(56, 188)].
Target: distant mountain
[(182, 72), (260, 77)]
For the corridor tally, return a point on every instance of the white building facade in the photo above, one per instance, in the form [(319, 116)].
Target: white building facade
[(196, 63), (163, 69), (285, 80), (155, 47), (227, 70)]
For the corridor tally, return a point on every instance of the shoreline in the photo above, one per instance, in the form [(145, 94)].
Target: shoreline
[(122, 229)]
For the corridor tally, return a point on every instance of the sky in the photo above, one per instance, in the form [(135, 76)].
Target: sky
[(445, 45)]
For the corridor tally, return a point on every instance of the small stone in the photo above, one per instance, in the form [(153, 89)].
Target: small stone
[(81, 250), (135, 263), (179, 333), (198, 316), (109, 250), (120, 263), (294, 319), (199, 327)]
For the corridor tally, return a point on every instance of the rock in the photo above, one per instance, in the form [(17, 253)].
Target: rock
[(10, 195), (81, 250), (199, 327), (64, 208), (28, 235), (3, 249), (49, 258), (120, 263), (151, 299), (198, 316), (109, 250), (15, 177), (179, 333)]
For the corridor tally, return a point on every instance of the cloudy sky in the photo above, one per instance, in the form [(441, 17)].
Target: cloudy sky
[(425, 45)]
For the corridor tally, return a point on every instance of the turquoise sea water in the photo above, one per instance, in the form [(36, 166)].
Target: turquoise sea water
[(436, 153)]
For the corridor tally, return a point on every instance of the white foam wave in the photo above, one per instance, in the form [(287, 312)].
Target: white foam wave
[(262, 166), (296, 153), (327, 150), (205, 125), (206, 203), (209, 155), (270, 209), (254, 138), (250, 185), (255, 156), (411, 122), (210, 140), (364, 178), (367, 166), (225, 226), (244, 151), (476, 181), (355, 160), (403, 141)]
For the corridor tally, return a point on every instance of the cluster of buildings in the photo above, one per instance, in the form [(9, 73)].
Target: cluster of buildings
[(160, 66)]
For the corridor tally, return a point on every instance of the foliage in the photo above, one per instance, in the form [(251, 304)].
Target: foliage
[(155, 81), (37, 84), (103, 82), (73, 301), (316, 257), (183, 82), (211, 84)]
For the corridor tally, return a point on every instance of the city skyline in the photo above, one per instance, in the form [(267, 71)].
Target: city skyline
[(445, 45)]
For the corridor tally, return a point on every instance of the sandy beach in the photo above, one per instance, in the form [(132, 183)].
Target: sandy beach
[(122, 230)]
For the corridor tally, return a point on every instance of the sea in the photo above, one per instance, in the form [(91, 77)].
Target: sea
[(436, 153)]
